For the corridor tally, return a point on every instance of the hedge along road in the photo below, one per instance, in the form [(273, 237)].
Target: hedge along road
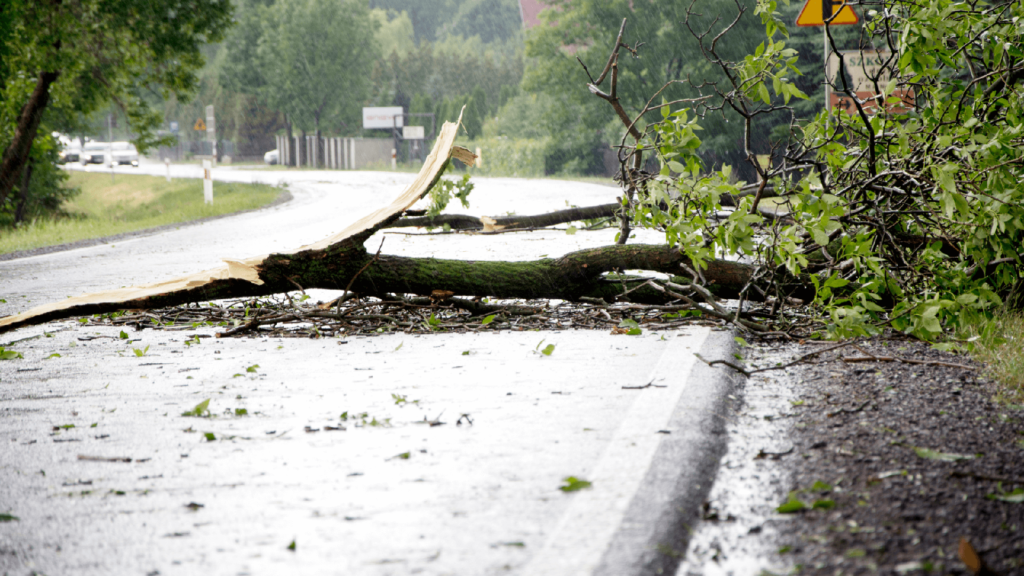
[(231, 493)]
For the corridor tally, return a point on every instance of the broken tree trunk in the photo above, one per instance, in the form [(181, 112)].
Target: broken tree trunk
[(334, 262)]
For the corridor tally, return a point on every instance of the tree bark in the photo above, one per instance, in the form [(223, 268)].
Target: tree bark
[(16, 155), (19, 212)]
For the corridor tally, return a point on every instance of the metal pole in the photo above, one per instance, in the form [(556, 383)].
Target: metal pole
[(110, 144), (826, 15), (828, 86)]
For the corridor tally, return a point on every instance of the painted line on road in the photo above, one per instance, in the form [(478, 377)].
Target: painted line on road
[(609, 528)]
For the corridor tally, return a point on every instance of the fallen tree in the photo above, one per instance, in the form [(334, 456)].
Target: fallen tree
[(905, 212), (342, 262)]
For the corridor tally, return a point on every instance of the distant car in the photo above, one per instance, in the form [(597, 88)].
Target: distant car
[(124, 153), (71, 153), (271, 157), (94, 153)]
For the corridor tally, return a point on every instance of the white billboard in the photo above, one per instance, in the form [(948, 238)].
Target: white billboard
[(382, 117)]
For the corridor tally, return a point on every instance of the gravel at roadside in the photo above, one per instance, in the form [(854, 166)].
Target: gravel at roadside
[(890, 464)]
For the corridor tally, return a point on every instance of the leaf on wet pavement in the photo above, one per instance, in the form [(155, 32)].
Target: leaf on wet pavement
[(573, 484), (200, 410), (792, 505)]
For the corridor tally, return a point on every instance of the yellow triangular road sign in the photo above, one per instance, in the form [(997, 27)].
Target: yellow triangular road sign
[(815, 12), (200, 125)]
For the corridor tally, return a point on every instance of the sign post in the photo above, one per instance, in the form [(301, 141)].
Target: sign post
[(110, 145), (211, 131), (835, 13), (207, 182)]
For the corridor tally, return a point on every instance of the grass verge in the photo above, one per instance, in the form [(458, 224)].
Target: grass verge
[(133, 203), (1000, 346)]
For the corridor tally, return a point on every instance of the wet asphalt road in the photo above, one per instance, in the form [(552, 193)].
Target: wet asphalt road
[(227, 494)]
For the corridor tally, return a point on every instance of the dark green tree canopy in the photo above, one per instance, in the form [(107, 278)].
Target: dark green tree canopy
[(75, 57)]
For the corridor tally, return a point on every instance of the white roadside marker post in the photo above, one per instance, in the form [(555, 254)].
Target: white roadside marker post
[(167, 162), (208, 181)]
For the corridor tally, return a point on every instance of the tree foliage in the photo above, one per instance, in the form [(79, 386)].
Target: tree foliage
[(907, 211), (316, 57), (64, 60)]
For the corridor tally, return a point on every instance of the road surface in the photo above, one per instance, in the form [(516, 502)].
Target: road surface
[(229, 494)]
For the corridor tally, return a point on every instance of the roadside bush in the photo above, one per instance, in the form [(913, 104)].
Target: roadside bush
[(520, 158)]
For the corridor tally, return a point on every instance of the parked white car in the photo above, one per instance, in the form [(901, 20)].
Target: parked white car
[(124, 153), (271, 157), (94, 152), (70, 153)]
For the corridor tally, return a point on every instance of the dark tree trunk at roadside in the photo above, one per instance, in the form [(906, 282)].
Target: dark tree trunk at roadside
[(16, 155), (19, 212)]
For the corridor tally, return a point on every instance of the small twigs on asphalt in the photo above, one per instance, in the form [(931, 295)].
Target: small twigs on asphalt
[(103, 458), (962, 474), (761, 454), (748, 373), (869, 357), (848, 410), (650, 384)]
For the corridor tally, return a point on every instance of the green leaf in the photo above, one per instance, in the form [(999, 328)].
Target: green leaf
[(399, 347), (5, 517), (856, 553), (570, 230), (241, 412), (930, 454), (292, 546), (140, 352), (210, 437), (823, 504), (820, 486), (9, 354), (1015, 497), (487, 320), (627, 323), (792, 505), (741, 342), (54, 355), (548, 350), (203, 408), (573, 484), (252, 368), (124, 335), (819, 236)]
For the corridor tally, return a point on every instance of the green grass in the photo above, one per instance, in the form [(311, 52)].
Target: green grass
[(133, 203), (1000, 346)]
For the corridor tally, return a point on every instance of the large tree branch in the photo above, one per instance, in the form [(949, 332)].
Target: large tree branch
[(462, 222)]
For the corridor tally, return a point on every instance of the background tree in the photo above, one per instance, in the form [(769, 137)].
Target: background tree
[(317, 56), (83, 54)]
